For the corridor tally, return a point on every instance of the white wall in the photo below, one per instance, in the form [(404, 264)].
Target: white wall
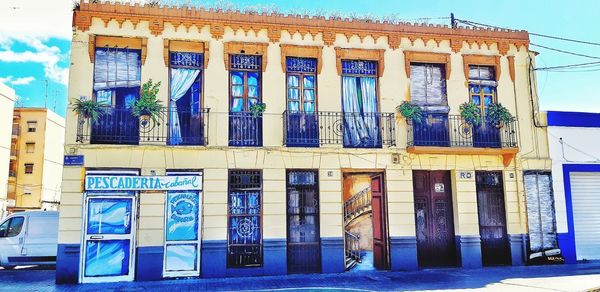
[(53, 160), (7, 102), (579, 147)]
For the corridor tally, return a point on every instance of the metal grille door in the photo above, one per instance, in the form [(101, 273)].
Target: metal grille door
[(303, 238)]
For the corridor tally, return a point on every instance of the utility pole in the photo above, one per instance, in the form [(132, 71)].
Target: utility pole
[(46, 98), (453, 21)]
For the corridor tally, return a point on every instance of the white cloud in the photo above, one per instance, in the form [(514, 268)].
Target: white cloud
[(48, 56), (37, 18), (11, 80)]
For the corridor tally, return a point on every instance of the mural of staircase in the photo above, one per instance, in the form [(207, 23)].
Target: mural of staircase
[(358, 205)]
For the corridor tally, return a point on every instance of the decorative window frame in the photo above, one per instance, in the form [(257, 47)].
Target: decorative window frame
[(360, 54), (315, 52), (99, 41), (185, 46), (244, 48), (493, 61), (427, 57)]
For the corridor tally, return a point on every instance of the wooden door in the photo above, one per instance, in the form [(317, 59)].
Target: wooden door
[(492, 219), (380, 254), (433, 218)]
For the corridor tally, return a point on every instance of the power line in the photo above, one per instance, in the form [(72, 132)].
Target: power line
[(565, 39), (578, 66), (565, 52)]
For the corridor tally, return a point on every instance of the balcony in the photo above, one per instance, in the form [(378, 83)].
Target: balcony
[(14, 153), (352, 130), (171, 127), (12, 173), (15, 131), (450, 134), (245, 129)]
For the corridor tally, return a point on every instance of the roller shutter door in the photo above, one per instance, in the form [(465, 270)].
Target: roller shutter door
[(585, 196)]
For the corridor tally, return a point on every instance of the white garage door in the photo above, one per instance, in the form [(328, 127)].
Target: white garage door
[(585, 193)]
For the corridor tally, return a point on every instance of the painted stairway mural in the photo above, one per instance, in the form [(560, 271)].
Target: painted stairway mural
[(355, 208)]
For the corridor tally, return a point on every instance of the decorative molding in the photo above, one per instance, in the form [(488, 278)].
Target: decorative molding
[(185, 46), (360, 54), (481, 60), (245, 49), (274, 34), (99, 41), (503, 47), (426, 57), (511, 67), (157, 16), (302, 52), (394, 41)]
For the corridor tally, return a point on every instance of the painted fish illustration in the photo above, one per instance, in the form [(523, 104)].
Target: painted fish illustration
[(182, 208)]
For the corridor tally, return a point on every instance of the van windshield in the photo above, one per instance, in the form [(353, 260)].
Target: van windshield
[(12, 227), (4, 228)]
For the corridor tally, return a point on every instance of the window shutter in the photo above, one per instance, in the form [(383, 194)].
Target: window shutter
[(540, 211), (428, 84), (418, 88), (481, 73), (115, 68)]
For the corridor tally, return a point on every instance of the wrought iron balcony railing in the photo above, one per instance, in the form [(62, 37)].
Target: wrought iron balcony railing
[(120, 126), (442, 130), (15, 130), (353, 130), (245, 129)]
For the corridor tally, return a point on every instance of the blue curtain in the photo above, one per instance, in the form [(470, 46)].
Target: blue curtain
[(361, 127), (181, 81)]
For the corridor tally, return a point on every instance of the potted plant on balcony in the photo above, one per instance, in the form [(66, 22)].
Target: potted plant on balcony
[(498, 115), (148, 107), (258, 109), (471, 113), (410, 112), (89, 109)]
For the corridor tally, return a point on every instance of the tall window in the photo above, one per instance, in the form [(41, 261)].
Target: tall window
[(117, 79), (300, 121), (244, 244), (428, 90), (185, 120), (482, 86), (360, 104), (245, 129)]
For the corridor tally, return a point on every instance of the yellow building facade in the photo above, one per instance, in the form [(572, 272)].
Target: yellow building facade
[(279, 189), (36, 160), (7, 102)]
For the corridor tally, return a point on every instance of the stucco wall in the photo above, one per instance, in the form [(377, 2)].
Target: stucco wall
[(7, 102), (54, 146)]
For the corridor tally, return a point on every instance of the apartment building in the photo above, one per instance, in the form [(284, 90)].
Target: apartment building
[(328, 178), (36, 160), (7, 103)]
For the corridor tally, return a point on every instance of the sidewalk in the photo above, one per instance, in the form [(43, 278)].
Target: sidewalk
[(579, 277)]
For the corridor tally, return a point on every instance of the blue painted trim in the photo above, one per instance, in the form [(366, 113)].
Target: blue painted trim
[(470, 251), (149, 263), (518, 249), (275, 256), (213, 263), (573, 119), (403, 253), (332, 255), (67, 263), (567, 240)]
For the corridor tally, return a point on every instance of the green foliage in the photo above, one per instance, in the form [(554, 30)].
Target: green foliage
[(89, 109), (498, 115), (471, 113), (148, 103), (258, 109), (410, 111)]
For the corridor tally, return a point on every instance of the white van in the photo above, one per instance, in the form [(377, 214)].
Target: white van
[(29, 238)]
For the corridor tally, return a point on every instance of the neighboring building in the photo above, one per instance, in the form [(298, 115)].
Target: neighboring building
[(7, 103), (36, 160), (573, 139), (327, 179)]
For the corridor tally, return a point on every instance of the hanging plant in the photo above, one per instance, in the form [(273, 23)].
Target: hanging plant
[(258, 109), (148, 106), (410, 111), (89, 109), (471, 113), (498, 115)]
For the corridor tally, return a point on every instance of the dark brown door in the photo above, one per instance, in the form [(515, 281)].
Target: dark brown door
[(380, 255), (433, 218), (492, 218)]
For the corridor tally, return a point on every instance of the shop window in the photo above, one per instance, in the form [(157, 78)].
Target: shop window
[(244, 244), (30, 147), (31, 126), (28, 168)]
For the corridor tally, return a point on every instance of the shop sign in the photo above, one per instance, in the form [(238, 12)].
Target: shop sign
[(143, 183)]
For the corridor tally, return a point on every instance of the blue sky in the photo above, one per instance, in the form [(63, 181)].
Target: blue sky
[(35, 40)]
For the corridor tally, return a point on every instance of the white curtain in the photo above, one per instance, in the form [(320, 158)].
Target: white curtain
[(181, 81), (116, 68), (370, 111), (354, 127)]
